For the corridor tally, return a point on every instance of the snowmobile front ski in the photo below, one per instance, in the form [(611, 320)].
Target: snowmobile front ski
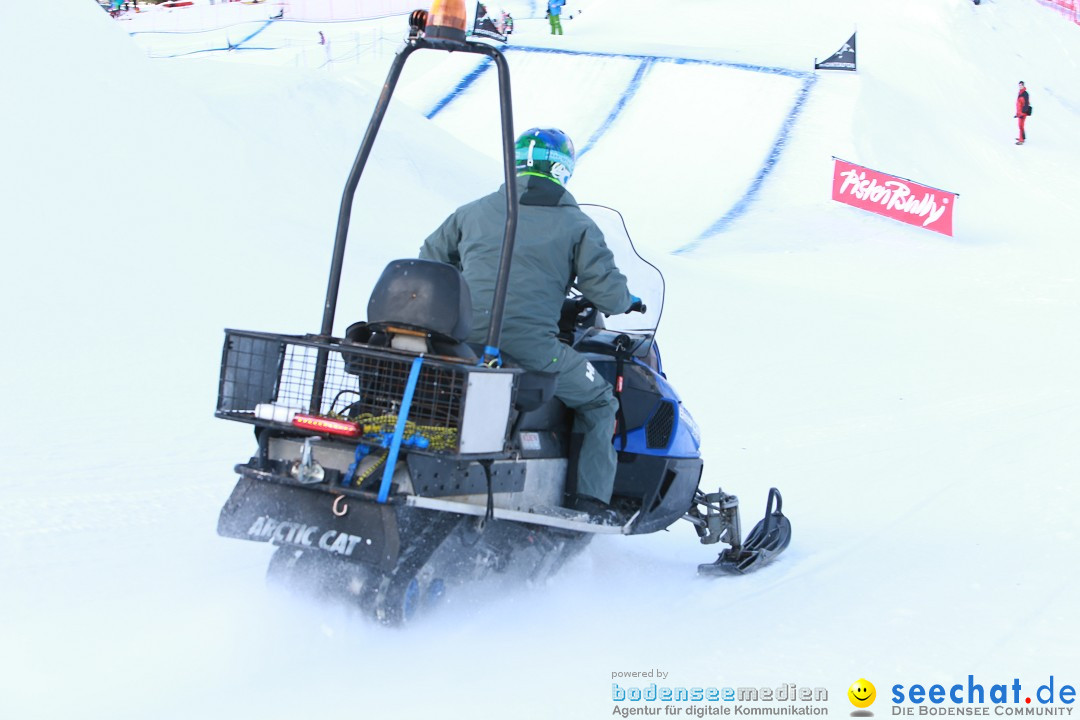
[(768, 539)]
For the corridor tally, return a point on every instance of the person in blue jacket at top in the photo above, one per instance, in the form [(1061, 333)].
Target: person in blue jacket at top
[(554, 10)]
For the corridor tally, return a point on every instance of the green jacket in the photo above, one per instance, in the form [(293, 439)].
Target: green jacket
[(556, 244)]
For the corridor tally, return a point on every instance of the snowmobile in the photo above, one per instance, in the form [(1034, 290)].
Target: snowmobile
[(399, 461)]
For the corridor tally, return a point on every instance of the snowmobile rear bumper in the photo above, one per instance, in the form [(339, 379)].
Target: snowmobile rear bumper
[(265, 511), (389, 559)]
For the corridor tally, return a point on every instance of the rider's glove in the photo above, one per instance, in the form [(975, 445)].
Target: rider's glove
[(636, 305)]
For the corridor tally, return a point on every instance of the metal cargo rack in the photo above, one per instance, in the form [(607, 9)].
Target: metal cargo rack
[(454, 407)]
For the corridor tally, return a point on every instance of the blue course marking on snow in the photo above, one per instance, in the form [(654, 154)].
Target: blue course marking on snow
[(192, 32), (743, 204), (230, 45), (267, 24), (209, 50), (665, 58), (279, 21), (620, 104), (647, 61), (460, 88)]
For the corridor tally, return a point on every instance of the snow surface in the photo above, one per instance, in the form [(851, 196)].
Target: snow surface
[(914, 396)]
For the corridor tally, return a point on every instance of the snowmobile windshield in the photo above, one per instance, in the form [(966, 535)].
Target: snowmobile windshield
[(642, 277)]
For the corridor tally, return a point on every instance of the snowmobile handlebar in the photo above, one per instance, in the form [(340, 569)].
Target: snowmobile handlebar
[(582, 303)]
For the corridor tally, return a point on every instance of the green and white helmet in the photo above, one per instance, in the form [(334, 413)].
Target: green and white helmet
[(545, 152)]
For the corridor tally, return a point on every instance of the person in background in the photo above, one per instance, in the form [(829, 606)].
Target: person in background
[(1023, 110), (556, 246), (325, 42), (554, 11)]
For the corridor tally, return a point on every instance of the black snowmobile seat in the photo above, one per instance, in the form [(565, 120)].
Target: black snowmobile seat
[(422, 295), (426, 297)]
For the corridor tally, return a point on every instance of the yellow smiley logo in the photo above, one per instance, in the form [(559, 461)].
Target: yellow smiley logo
[(862, 693)]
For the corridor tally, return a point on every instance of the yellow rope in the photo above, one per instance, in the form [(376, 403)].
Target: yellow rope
[(362, 476), (439, 438)]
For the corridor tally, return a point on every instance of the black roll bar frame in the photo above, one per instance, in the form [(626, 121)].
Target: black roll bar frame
[(491, 350)]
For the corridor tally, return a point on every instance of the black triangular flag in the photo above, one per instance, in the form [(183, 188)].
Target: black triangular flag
[(484, 25), (842, 59)]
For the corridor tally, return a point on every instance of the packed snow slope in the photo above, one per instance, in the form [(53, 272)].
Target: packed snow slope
[(914, 396)]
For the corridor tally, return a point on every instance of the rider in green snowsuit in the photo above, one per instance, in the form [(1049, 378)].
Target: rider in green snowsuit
[(556, 245)]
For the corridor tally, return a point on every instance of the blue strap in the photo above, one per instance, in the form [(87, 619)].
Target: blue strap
[(494, 353), (399, 429)]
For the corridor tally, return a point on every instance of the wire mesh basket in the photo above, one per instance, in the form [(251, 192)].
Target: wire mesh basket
[(269, 379)]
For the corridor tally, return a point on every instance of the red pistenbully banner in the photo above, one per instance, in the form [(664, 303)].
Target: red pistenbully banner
[(893, 197)]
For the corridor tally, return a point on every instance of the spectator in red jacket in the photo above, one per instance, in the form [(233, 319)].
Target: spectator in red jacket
[(1023, 109)]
